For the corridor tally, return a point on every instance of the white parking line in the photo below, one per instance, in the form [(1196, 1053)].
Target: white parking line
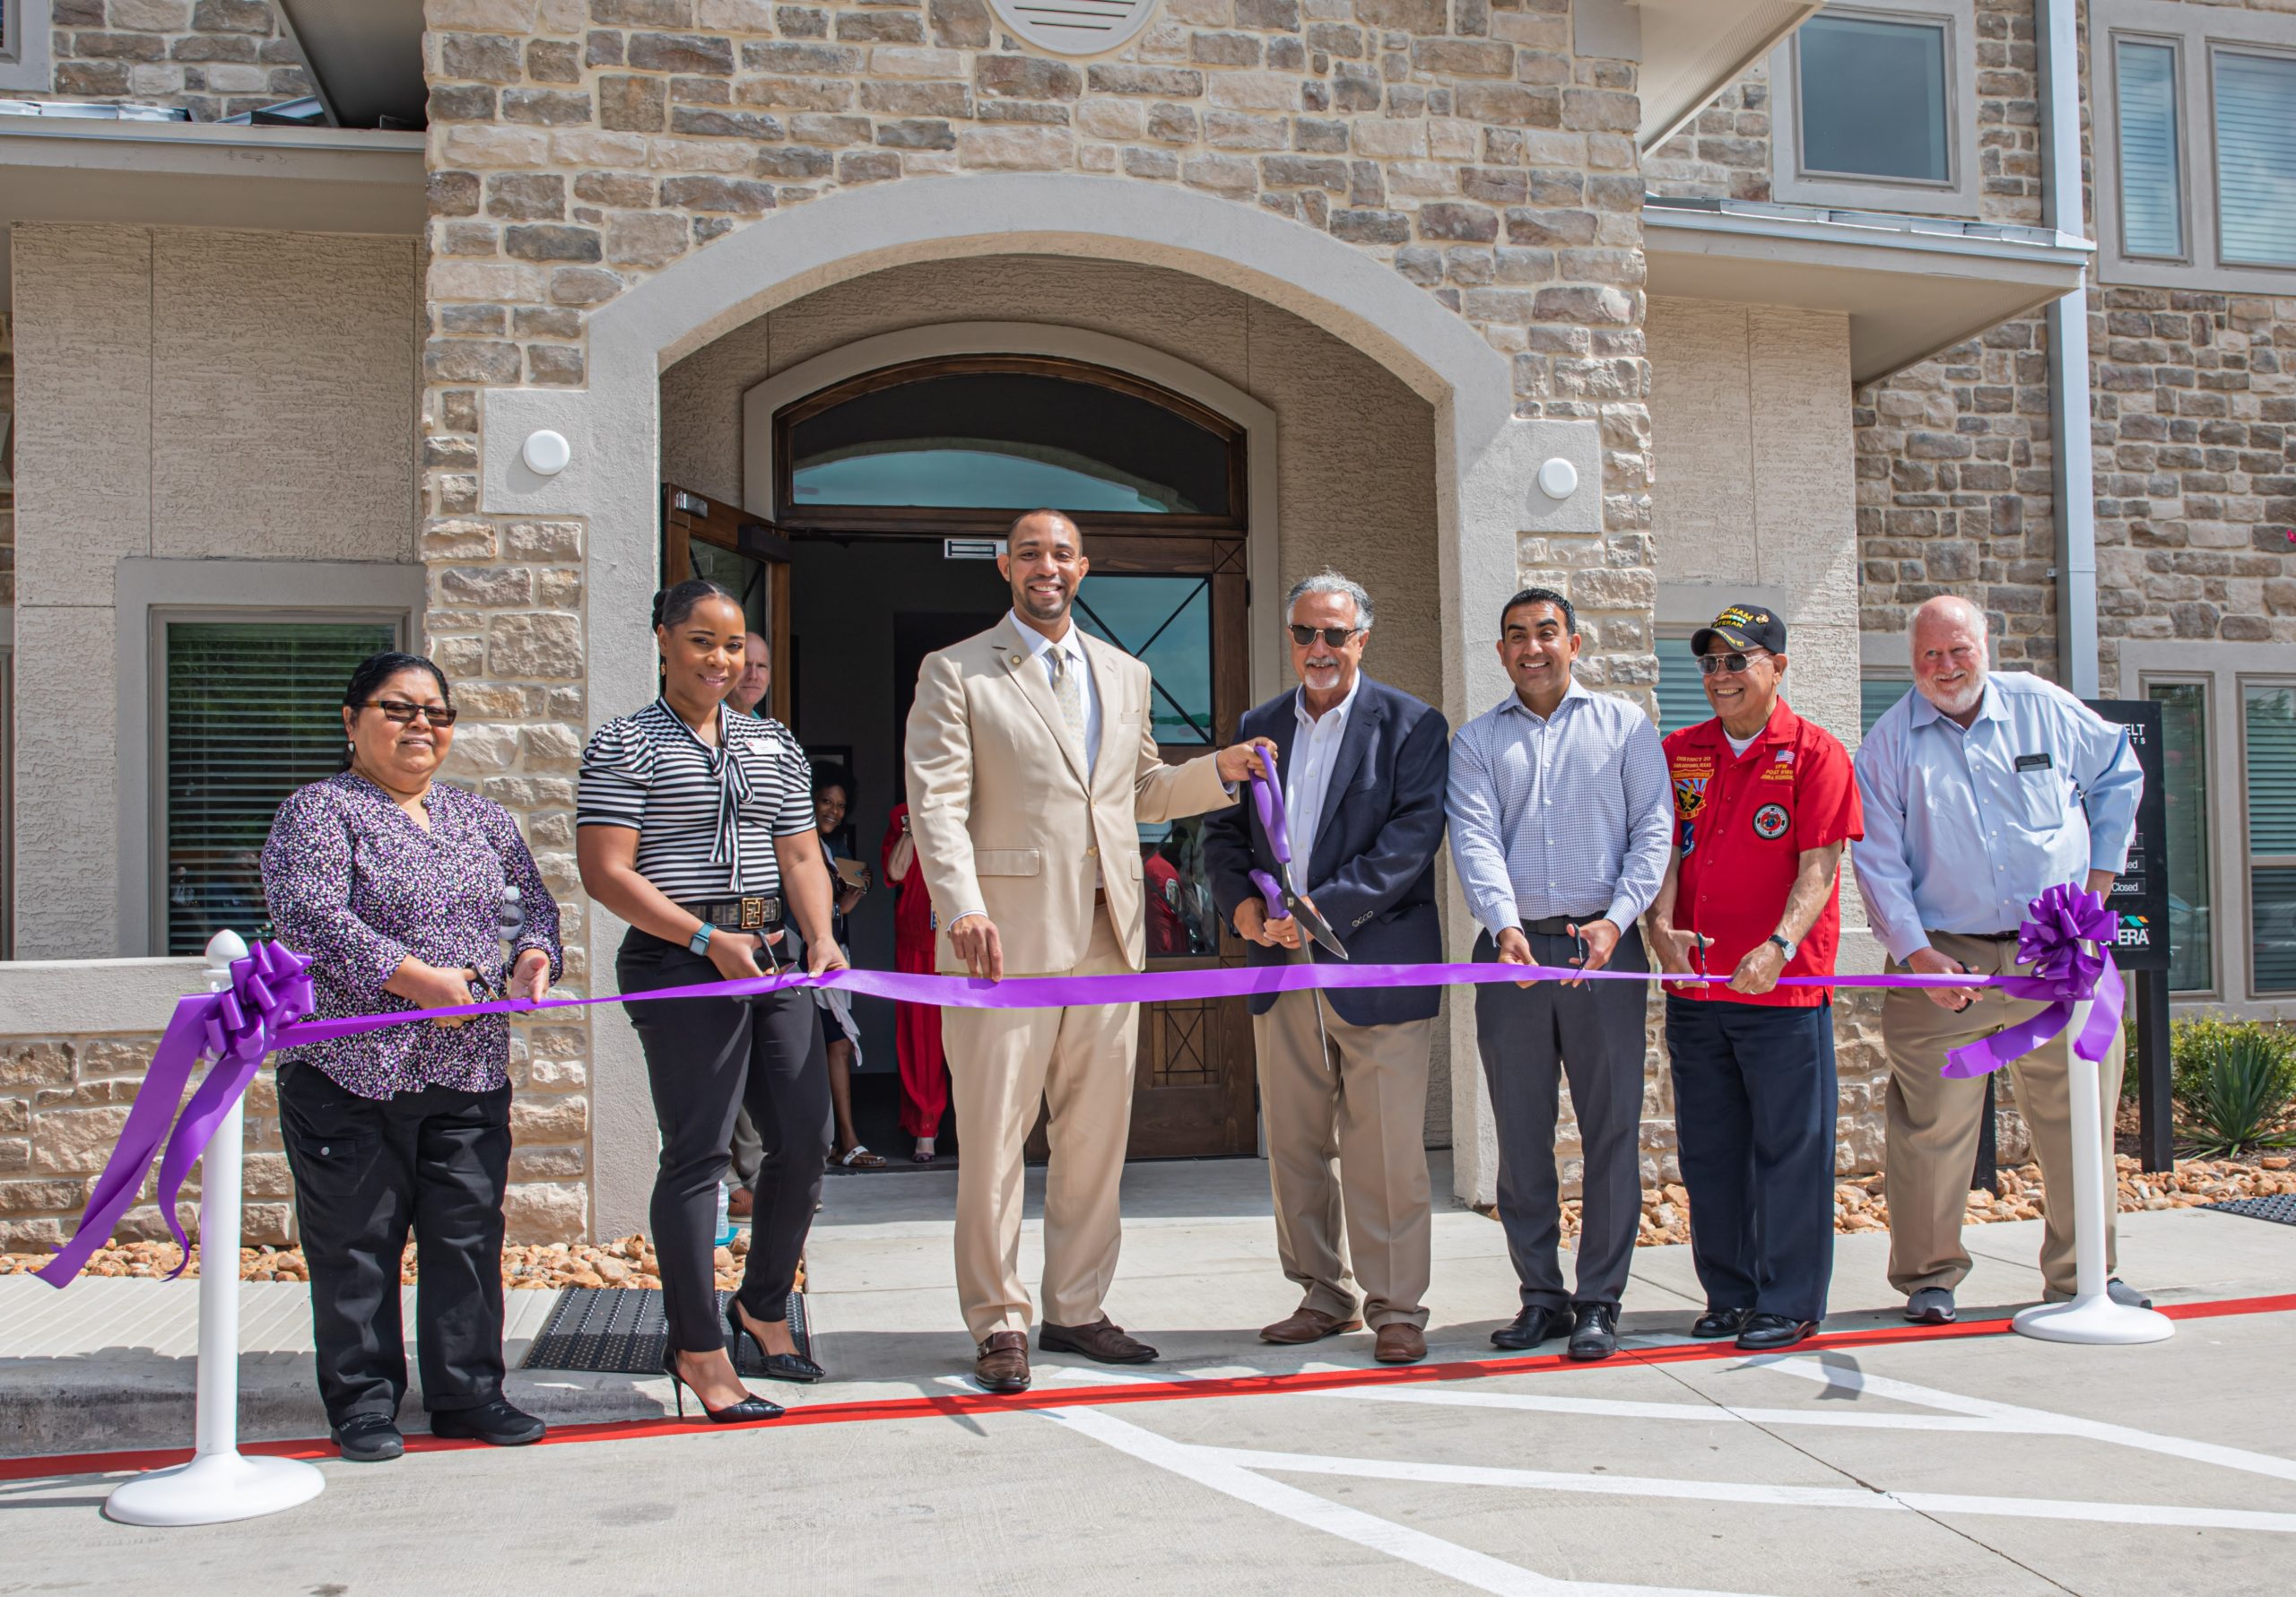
[(1477, 1570)]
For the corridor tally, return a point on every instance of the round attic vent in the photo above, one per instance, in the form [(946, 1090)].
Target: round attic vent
[(1075, 27)]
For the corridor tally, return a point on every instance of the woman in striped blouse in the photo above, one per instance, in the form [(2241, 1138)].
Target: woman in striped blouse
[(696, 826)]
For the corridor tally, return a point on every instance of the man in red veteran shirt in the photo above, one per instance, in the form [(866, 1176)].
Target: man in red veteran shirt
[(1763, 802)]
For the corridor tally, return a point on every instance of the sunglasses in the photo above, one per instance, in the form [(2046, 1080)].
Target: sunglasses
[(403, 713), (1336, 637), (1716, 664)]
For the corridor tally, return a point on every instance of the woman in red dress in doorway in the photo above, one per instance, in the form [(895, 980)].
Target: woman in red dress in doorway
[(916, 1027)]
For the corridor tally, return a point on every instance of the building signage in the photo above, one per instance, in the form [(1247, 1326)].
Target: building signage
[(1075, 27), (2139, 894)]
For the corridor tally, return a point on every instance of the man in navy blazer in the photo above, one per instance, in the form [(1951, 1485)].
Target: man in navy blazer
[(1363, 768)]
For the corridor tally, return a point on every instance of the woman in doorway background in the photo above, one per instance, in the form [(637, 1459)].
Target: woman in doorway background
[(393, 884), (916, 1027), (832, 795), (694, 824)]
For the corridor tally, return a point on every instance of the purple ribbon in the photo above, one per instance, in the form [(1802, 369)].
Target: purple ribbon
[(2068, 939), (271, 989), (1269, 803)]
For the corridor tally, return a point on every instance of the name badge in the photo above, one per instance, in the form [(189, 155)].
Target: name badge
[(2033, 762)]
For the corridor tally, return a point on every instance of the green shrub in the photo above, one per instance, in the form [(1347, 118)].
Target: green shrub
[(2233, 1080)]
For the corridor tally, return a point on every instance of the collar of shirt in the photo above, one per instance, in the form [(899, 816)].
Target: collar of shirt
[(1038, 645), (1990, 708), (1336, 714), (1783, 727), (1514, 701)]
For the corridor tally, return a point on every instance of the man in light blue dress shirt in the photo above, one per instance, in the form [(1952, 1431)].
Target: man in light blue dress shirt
[(1561, 823), (1980, 791)]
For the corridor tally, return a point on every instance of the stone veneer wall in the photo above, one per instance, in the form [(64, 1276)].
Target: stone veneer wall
[(211, 57), (580, 146), (2194, 407)]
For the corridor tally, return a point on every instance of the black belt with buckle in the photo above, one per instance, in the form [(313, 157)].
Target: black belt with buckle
[(1980, 936), (761, 913), (1559, 925)]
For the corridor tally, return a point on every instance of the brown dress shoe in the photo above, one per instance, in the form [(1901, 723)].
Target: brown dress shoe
[(1002, 1362), (1400, 1344), (1101, 1341), (1304, 1326)]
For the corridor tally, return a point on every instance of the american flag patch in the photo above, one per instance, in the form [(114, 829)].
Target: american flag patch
[(1786, 757)]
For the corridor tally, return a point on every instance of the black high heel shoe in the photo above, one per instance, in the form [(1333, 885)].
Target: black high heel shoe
[(779, 1367), (751, 1407)]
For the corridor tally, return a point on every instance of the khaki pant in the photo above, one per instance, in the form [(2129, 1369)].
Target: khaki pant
[(1934, 1123), (1079, 1061), (1363, 1104)]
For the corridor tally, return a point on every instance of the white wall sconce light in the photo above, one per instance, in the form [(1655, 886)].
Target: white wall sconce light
[(1558, 479), (546, 453)]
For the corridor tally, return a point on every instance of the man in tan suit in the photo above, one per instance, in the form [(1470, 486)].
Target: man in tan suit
[(1031, 761)]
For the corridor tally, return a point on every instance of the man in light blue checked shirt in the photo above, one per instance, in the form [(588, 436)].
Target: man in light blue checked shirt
[(1980, 791), (1561, 821)]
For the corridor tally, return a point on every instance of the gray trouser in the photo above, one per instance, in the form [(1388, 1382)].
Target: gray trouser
[(1531, 1040)]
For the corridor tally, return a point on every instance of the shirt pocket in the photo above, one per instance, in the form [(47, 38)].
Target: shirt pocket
[(2042, 798)]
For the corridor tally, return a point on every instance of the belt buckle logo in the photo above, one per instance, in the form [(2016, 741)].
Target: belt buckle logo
[(753, 913)]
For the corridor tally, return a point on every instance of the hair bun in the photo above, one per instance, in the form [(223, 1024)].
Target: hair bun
[(660, 595)]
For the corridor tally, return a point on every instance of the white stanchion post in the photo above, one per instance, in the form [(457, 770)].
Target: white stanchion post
[(2092, 1317), (218, 1484)]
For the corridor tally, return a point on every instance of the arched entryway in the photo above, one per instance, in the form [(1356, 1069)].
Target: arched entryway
[(1485, 459)]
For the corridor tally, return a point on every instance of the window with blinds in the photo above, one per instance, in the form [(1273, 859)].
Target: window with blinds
[(1875, 696), (2269, 715), (251, 712), (2151, 184), (2255, 159), (2183, 759), (1681, 700)]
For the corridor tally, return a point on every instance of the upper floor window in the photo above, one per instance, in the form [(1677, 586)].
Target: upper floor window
[(24, 46), (2196, 180), (1877, 108)]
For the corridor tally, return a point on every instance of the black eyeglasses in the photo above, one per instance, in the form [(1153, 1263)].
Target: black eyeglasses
[(1715, 664), (1336, 637), (403, 713)]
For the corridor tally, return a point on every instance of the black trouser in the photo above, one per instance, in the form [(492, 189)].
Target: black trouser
[(1754, 1104), (366, 1169), (1530, 1039), (705, 1058)]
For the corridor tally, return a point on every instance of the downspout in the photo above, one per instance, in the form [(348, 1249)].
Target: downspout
[(2072, 457)]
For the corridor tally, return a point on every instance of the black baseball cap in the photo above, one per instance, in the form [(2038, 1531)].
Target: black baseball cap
[(1742, 627)]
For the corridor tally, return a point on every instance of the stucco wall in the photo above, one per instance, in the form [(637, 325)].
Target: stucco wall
[(1356, 448), (183, 394)]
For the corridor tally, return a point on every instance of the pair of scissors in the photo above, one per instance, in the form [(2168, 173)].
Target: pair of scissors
[(1284, 899)]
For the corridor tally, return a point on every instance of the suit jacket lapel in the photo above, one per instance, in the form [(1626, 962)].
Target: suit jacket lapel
[(1022, 668), (1363, 722)]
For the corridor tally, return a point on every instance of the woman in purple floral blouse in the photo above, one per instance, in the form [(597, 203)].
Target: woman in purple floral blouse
[(393, 885)]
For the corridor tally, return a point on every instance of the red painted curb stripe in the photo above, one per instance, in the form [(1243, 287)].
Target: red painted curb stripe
[(957, 1403)]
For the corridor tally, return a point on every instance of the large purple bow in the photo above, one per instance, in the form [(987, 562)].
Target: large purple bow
[(2068, 939), (271, 989)]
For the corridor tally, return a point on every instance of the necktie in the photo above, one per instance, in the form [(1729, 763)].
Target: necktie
[(1069, 691)]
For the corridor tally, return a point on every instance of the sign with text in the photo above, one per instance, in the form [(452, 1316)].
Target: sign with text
[(2139, 894)]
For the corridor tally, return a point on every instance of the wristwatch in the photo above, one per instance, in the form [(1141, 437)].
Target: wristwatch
[(1786, 945), (700, 942)]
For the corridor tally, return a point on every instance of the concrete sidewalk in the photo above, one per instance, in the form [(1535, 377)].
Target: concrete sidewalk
[(108, 1363)]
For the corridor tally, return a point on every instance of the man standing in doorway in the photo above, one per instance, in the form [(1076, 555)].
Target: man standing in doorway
[(1031, 762), (1981, 791), (1763, 802), (1343, 1074), (1559, 832)]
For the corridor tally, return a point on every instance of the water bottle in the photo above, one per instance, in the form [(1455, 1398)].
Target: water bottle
[(725, 1232)]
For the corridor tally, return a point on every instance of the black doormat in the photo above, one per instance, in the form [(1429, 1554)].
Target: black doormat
[(620, 1330), (2281, 1210)]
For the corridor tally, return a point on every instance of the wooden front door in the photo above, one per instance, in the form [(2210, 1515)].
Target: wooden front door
[(706, 537)]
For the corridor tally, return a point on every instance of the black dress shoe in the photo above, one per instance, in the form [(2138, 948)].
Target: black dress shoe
[(1720, 1322), (497, 1424), (368, 1439), (779, 1367), (1534, 1325), (1594, 1333), (1766, 1333)]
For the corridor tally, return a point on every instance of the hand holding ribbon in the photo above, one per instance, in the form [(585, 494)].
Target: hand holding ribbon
[(2056, 940), (270, 990)]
